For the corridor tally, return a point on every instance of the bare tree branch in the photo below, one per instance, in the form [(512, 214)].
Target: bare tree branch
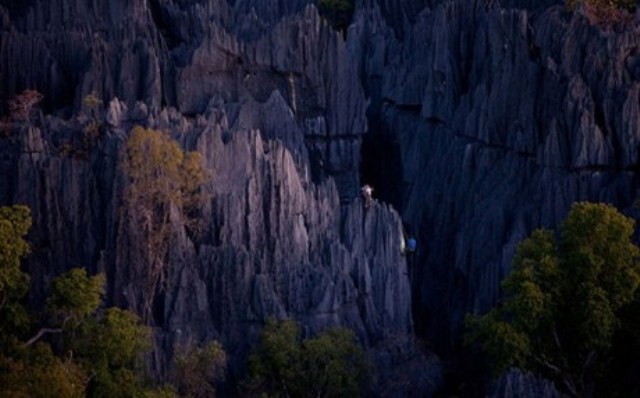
[(39, 335)]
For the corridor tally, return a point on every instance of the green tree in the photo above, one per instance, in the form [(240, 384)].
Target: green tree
[(160, 178), (563, 300), (75, 296), (15, 222), (106, 346), (166, 391), (334, 365), (93, 129), (331, 364), (273, 364), (96, 353), (92, 102), (38, 373), (110, 350), (198, 369)]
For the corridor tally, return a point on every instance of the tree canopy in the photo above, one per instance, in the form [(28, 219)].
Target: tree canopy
[(75, 296), (331, 364), (564, 299), (198, 369), (73, 348), (15, 222), (160, 177), (109, 348)]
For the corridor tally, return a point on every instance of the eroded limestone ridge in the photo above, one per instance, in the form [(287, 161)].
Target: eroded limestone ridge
[(500, 113), (270, 96)]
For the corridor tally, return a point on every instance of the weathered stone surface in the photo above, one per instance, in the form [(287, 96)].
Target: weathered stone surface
[(277, 111), (275, 243), (502, 117), (499, 115), (523, 385)]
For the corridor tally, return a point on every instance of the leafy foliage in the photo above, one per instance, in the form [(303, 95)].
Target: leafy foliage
[(330, 365), (564, 300), (273, 365), (199, 369), (75, 296), (334, 365), (110, 350), (15, 222), (92, 131), (167, 391), (40, 374), (92, 101), (76, 351), (160, 178)]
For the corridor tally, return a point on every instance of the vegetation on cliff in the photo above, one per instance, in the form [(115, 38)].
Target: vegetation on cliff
[(565, 301), (161, 177), (73, 347), (331, 364)]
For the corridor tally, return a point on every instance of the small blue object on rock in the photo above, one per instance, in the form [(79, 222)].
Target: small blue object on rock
[(411, 245)]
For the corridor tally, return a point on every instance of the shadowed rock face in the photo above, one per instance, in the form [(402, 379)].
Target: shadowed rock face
[(270, 96), (501, 118), (488, 119)]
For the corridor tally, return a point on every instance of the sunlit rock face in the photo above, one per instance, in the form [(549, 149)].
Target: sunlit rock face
[(270, 95), (480, 121)]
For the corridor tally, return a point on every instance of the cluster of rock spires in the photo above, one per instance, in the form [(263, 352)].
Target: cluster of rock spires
[(493, 116), (501, 117), (275, 106)]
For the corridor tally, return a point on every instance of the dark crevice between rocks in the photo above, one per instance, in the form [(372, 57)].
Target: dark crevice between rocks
[(398, 14), (163, 23), (381, 164), (158, 309), (381, 167), (17, 9), (8, 169)]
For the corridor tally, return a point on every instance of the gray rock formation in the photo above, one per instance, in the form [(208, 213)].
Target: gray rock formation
[(487, 119), (501, 117), (276, 108)]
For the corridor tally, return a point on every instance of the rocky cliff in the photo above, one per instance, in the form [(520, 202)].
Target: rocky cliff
[(269, 94), (497, 116), (478, 120)]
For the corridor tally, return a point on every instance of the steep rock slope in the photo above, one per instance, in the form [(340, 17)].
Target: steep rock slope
[(499, 115), (275, 107), (490, 118)]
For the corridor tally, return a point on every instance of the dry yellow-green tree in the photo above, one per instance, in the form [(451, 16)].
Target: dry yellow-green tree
[(162, 180), (199, 369)]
